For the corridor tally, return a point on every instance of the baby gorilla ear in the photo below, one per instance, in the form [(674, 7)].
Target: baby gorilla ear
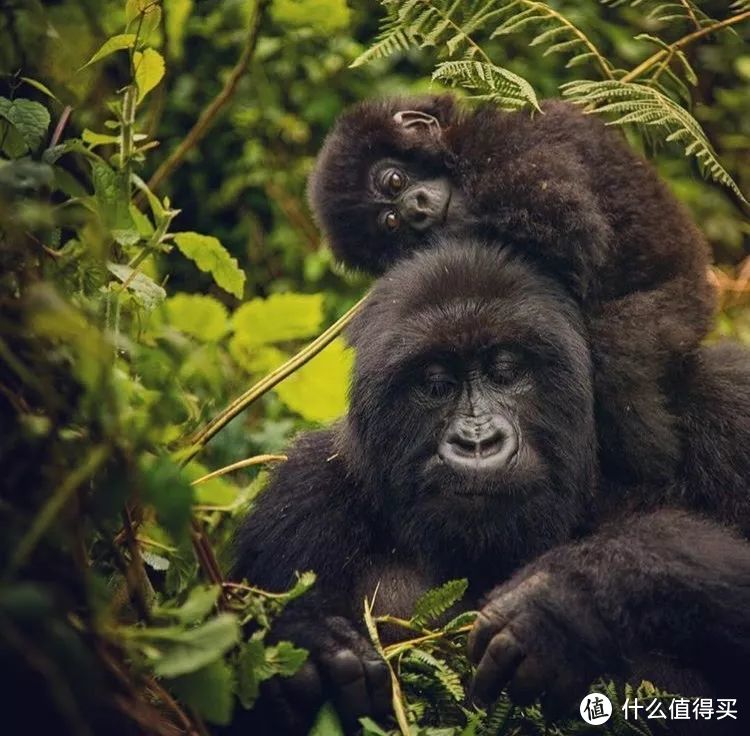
[(416, 119)]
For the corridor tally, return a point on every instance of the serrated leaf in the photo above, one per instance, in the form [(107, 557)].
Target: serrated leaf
[(30, 119), (285, 659), (437, 601), (208, 691), (175, 651), (198, 315), (279, 318), (148, 292), (149, 71), (319, 390), (199, 604), (110, 46), (212, 257), (112, 192)]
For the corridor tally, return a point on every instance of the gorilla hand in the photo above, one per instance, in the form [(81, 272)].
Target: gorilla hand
[(541, 637), (342, 666)]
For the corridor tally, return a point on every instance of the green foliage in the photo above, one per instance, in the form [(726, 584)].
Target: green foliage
[(123, 330)]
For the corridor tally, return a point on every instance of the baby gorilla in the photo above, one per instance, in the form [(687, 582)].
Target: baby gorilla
[(469, 451), (560, 188)]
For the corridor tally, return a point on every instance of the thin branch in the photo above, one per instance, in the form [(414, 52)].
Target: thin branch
[(682, 42), (210, 113), (60, 127), (202, 437), (246, 463)]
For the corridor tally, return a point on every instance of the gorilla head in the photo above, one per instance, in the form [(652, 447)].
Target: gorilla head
[(381, 180), (471, 405)]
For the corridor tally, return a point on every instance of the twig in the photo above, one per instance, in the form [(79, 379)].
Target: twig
[(682, 42), (246, 463), (136, 572), (201, 438), (61, 123), (185, 721), (210, 113)]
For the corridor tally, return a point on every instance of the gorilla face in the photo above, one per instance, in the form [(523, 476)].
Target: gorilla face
[(472, 397)]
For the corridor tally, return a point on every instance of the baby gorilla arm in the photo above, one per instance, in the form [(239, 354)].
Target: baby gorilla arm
[(665, 581)]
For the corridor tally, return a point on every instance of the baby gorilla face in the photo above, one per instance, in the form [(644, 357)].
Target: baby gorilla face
[(407, 198)]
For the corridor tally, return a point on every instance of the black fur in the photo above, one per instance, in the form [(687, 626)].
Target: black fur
[(569, 193), (593, 579)]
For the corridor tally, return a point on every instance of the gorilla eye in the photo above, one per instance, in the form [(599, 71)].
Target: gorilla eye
[(391, 220), (506, 367), (395, 181), (437, 383)]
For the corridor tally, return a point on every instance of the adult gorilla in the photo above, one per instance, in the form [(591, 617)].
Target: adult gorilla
[(469, 451)]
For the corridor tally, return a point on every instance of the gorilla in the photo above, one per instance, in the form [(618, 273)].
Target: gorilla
[(469, 450), (566, 191)]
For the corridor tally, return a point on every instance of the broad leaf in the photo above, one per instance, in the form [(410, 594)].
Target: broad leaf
[(112, 45), (149, 70), (201, 316), (279, 318), (212, 257), (29, 118), (208, 691), (148, 292)]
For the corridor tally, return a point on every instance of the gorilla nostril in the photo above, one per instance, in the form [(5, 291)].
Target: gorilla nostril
[(493, 444), (489, 445)]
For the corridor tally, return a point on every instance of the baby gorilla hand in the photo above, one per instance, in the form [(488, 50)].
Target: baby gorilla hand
[(541, 638), (342, 666)]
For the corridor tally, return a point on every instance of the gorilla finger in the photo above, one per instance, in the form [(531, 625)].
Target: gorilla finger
[(347, 675), (485, 627), (563, 695), (497, 666), (304, 687), (530, 680), (280, 712), (378, 685)]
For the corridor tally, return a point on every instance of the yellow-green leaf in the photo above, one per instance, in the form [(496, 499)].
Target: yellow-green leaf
[(109, 47), (98, 139), (279, 318), (318, 391), (324, 16), (36, 84), (198, 315), (149, 70), (150, 12), (178, 12), (212, 257)]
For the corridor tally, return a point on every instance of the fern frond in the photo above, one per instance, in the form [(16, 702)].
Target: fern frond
[(447, 677), (501, 86), (647, 106), (552, 24), (437, 601), (668, 11), (740, 6)]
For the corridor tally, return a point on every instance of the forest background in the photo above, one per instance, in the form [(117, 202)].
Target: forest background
[(158, 260)]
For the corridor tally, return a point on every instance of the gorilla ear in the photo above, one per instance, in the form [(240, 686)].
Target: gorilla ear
[(415, 120)]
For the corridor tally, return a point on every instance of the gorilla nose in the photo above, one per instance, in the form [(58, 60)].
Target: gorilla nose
[(479, 444), (418, 209)]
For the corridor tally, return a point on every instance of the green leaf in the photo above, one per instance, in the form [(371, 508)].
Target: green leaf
[(285, 659), (99, 139), (36, 84), (201, 316), (148, 292), (149, 71), (166, 487), (175, 651), (328, 723), (324, 16), (437, 601), (178, 12), (211, 256), (369, 727), (279, 318), (150, 12), (318, 391), (256, 663), (200, 602), (30, 119), (112, 192), (207, 691), (112, 45)]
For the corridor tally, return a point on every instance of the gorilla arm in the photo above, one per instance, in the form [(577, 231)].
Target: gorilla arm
[(667, 581), (309, 518)]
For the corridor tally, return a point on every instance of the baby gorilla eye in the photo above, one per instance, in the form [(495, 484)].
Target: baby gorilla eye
[(437, 383), (391, 220), (395, 181)]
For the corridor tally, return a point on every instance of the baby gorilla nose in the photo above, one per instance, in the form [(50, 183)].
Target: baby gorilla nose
[(479, 443)]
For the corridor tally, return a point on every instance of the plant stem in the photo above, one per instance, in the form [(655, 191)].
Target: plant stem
[(210, 113), (257, 460), (201, 438), (682, 42)]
